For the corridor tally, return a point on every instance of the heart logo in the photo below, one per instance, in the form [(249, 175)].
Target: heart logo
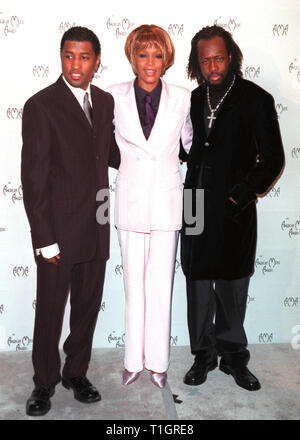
[(14, 21), (231, 25), (125, 24)]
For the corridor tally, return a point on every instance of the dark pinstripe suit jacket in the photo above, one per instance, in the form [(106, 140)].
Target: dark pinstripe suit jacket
[(64, 163)]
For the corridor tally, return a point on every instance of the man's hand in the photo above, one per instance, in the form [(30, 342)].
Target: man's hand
[(232, 200), (53, 260)]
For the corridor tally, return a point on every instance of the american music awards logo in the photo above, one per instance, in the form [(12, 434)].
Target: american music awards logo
[(14, 113), (117, 340), (20, 344), (291, 302), (16, 194), (11, 25), (274, 192), (292, 228), (119, 27), (230, 25), (280, 30), (176, 30), (40, 71), (97, 75), (252, 72), (250, 299), (267, 265), (102, 307), (280, 109), (65, 25), (265, 338), (20, 271), (295, 152), (173, 340), (294, 69)]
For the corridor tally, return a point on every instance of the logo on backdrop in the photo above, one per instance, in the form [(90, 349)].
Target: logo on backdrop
[(230, 25), (16, 194), (11, 25), (280, 30), (102, 307), (1, 309), (112, 187), (292, 228), (252, 72), (291, 302), (116, 340), (173, 340), (65, 25), (274, 192), (119, 27), (14, 113), (20, 271), (176, 30), (265, 338), (119, 269), (294, 69), (40, 71), (267, 265), (250, 299), (97, 75), (20, 344), (295, 153), (280, 109)]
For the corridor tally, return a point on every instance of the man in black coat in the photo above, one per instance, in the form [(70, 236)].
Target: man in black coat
[(236, 155), (68, 144)]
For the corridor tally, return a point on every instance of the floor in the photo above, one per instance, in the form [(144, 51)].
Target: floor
[(276, 365)]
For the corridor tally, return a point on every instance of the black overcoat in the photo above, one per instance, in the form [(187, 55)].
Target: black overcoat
[(241, 157)]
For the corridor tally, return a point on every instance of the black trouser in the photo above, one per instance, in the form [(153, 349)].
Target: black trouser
[(86, 284), (226, 300)]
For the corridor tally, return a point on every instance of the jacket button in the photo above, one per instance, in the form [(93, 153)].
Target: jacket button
[(206, 144)]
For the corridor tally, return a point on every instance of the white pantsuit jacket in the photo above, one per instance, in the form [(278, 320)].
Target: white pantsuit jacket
[(149, 181)]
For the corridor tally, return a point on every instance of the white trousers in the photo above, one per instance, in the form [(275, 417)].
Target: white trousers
[(148, 261)]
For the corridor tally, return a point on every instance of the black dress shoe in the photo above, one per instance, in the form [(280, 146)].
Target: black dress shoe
[(198, 373), (242, 376), (84, 391), (39, 402)]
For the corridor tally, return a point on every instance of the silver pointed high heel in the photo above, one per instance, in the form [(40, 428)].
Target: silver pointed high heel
[(129, 377), (159, 379)]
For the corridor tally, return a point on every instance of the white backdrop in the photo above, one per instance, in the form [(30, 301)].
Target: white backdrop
[(268, 33)]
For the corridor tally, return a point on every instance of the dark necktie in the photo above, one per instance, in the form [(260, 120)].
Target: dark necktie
[(87, 108), (149, 113)]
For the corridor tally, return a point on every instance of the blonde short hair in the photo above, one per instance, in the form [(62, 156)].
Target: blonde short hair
[(148, 35)]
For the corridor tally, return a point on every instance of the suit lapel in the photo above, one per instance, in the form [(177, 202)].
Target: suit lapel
[(164, 111), (68, 100)]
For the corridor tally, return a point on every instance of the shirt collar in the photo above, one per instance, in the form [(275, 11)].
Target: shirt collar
[(79, 93), (155, 93)]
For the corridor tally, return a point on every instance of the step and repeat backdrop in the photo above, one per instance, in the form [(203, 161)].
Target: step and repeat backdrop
[(268, 33)]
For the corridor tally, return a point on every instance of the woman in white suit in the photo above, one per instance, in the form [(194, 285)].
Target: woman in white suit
[(150, 119)]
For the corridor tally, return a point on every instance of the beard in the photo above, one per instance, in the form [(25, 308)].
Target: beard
[(225, 81)]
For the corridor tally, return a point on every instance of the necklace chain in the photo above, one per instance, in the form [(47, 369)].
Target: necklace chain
[(213, 110)]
